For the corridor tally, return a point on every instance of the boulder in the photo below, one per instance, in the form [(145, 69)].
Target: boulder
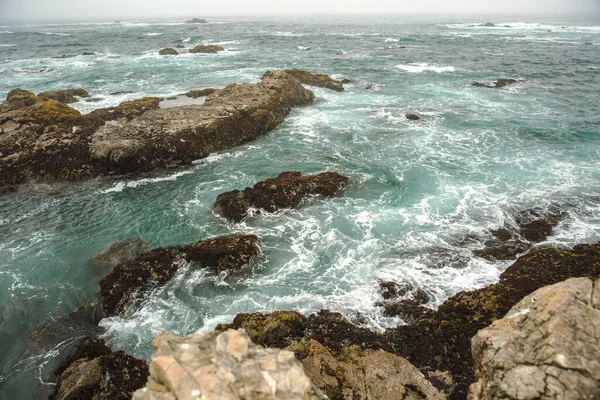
[(413, 117), (368, 374), (319, 80), (129, 280), (285, 191), (194, 94), (168, 52), (393, 290), (498, 83), (208, 49), (196, 21), (119, 252), (223, 366), (546, 347), (65, 96), (88, 53), (488, 25), (95, 372)]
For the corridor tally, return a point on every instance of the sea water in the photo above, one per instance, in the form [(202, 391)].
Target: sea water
[(423, 194)]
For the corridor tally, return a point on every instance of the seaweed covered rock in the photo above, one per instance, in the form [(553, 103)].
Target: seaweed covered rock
[(168, 52), (95, 372), (440, 340), (285, 191), (546, 347), (498, 83), (362, 374), (223, 365), (128, 280), (319, 80), (194, 94), (207, 49), (65, 96), (119, 252)]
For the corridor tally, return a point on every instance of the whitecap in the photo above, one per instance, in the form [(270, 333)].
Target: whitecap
[(303, 48), (186, 40), (154, 34), (422, 67), (6, 32), (8, 45), (391, 40), (120, 186), (56, 33)]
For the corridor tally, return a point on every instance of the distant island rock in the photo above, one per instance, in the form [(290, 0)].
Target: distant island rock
[(168, 52), (197, 21), (210, 49)]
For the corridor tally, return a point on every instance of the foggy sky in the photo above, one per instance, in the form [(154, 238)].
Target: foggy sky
[(20, 10)]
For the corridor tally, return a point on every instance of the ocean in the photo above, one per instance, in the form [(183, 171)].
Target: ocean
[(423, 194)]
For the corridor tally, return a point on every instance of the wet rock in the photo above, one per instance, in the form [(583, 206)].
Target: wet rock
[(498, 83), (545, 347), (119, 252), (95, 372), (393, 290), (413, 117), (285, 191), (536, 225), (194, 94), (223, 366), (5, 189), (88, 54), (441, 339), (502, 250), (362, 374), (346, 80), (410, 311), (65, 96), (129, 280), (196, 21), (319, 80), (168, 52), (122, 92), (65, 56), (210, 49), (488, 25)]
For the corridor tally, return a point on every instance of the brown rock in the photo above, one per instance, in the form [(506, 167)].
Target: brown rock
[(194, 94), (210, 49), (498, 83), (65, 96), (319, 80), (413, 117), (168, 52), (285, 191)]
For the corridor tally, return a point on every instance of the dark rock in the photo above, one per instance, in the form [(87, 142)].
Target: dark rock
[(210, 49), (65, 56), (488, 25), (194, 94), (346, 80), (122, 92), (180, 46), (503, 234), (440, 340), (168, 52), (129, 280), (285, 191), (65, 96), (5, 189), (502, 250), (413, 117), (196, 21), (410, 311), (392, 290), (94, 371), (119, 252), (496, 84), (536, 225), (319, 80), (88, 54), (369, 86)]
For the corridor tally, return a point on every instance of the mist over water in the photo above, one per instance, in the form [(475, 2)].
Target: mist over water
[(423, 194)]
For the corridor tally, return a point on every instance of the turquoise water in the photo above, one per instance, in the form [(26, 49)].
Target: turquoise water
[(419, 188)]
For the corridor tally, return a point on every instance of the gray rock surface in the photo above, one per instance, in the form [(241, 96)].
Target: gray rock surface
[(223, 366), (546, 347), (119, 252)]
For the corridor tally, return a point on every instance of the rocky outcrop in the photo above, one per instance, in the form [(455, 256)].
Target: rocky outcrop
[(368, 374), (207, 49), (496, 84), (196, 21), (168, 52), (488, 25), (440, 340), (229, 254), (94, 371), (319, 80), (194, 94), (546, 347), (119, 252), (223, 366), (45, 139), (65, 96), (285, 191), (412, 117)]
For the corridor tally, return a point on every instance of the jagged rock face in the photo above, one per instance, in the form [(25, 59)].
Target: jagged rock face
[(119, 252), (369, 374), (128, 280), (65, 96), (285, 191), (546, 347), (168, 52), (319, 80), (223, 366), (210, 49), (95, 372)]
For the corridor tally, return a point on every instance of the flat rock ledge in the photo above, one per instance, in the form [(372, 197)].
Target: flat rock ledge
[(207, 49), (285, 191), (127, 281), (223, 366), (45, 139), (319, 80), (546, 347)]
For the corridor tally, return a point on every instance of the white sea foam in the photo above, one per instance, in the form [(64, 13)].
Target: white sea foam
[(391, 40), (154, 34), (303, 48), (423, 67), (6, 32), (186, 40), (56, 33), (120, 186), (7, 45), (287, 34)]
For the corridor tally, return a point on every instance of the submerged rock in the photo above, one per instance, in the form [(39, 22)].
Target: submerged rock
[(223, 366), (168, 52), (95, 372), (319, 80), (128, 280), (65, 96), (208, 49), (196, 21), (119, 252), (545, 347), (194, 94), (285, 191), (498, 83)]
